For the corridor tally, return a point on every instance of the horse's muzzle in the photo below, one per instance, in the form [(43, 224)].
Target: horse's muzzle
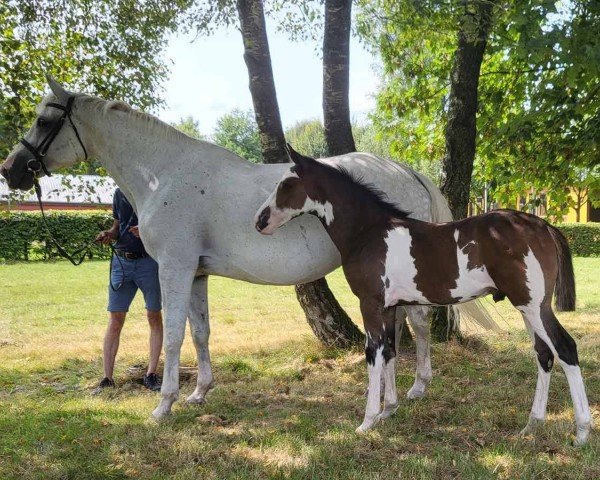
[(263, 220)]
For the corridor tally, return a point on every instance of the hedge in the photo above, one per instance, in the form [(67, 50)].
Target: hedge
[(23, 235), (584, 238)]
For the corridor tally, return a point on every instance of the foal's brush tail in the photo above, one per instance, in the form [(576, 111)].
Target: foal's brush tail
[(564, 290)]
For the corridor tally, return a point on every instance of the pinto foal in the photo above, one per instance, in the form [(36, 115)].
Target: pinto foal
[(390, 259)]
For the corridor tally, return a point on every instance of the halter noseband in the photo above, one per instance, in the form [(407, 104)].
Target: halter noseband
[(37, 163)]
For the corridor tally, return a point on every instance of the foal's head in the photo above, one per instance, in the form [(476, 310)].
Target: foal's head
[(295, 194)]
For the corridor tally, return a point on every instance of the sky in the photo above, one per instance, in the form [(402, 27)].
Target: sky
[(209, 78)]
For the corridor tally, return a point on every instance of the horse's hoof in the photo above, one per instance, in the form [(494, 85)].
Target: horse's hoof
[(531, 427), (195, 399), (159, 414), (388, 411), (582, 436), (362, 429), (415, 392)]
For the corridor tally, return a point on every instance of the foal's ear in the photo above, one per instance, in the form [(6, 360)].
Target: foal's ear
[(295, 157)]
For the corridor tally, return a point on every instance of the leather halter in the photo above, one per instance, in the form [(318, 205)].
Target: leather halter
[(37, 164)]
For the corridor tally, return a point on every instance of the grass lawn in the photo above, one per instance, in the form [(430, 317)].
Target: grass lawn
[(283, 407)]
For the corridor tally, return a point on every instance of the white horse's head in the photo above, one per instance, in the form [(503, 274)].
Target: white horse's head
[(294, 195), (51, 142)]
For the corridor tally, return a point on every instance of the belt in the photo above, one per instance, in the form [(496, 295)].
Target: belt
[(130, 256)]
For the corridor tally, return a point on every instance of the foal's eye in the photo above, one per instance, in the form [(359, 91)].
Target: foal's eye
[(41, 122)]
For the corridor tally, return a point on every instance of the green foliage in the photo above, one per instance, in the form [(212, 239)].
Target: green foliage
[(23, 235), (308, 137), (584, 238), (539, 97), (107, 48), (237, 131), (190, 127)]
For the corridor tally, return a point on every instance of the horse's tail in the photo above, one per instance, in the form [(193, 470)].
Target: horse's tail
[(564, 289), (440, 212)]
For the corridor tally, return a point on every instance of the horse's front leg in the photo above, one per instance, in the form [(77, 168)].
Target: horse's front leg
[(417, 316), (176, 284), (200, 328)]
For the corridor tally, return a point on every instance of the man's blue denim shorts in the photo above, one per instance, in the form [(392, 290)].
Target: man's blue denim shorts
[(129, 275)]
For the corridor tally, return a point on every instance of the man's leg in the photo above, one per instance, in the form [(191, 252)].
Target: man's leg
[(146, 279), (111, 342), (119, 301), (156, 338)]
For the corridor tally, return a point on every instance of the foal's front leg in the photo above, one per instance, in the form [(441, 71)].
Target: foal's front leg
[(176, 283), (380, 355)]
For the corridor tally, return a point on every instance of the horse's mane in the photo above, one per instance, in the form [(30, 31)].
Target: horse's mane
[(154, 124), (368, 191)]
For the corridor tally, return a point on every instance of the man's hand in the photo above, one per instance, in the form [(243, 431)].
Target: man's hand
[(135, 231), (106, 237)]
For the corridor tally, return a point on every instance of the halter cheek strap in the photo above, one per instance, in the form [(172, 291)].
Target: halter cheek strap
[(37, 163)]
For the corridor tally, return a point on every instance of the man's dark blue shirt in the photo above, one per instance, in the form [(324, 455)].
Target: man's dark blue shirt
[(123, 212)]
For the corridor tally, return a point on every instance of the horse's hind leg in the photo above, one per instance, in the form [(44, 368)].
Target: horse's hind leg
[(417, 316), (199, 325)]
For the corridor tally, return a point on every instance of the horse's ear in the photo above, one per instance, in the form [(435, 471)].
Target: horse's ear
[(57, 88)]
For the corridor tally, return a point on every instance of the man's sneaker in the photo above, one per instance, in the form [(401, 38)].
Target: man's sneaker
[(152, 382), (104, 383)]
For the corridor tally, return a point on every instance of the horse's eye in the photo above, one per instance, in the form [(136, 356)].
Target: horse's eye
[(41, 122)]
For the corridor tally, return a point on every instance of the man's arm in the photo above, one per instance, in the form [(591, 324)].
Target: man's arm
[(107, 236)]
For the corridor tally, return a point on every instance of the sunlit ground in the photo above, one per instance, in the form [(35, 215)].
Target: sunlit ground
[(282, 406)]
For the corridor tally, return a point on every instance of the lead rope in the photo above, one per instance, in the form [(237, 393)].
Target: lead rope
[(86, 249)]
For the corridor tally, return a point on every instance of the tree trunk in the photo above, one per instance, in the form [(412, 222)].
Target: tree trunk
[(327, 318), (338, 131), (261, 82), (461, 129), (336, 77)]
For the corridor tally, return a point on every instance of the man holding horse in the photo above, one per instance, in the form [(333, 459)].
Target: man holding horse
[(131, 269)]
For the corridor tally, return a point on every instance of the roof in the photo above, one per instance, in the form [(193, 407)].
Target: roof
[(73, 189)]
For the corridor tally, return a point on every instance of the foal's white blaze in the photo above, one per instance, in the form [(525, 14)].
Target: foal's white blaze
[(470, 283), (531, 314), (400, 269)]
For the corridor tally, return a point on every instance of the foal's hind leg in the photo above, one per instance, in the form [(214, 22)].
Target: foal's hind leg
[(545, 360), (198, 316), (417, 316), (548, 330)]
